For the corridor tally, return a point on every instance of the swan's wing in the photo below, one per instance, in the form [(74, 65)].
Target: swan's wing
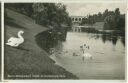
[(9, 43), (11, 39)]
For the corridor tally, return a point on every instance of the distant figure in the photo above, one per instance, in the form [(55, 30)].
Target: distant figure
[(15, 42), (87, 47), (52, 50), (85, 54), (84, 44), (82, 49), (74, 54)]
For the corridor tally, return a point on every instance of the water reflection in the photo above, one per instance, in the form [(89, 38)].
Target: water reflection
[(47, 41), (110, 38), (108, 52), (114, 40)]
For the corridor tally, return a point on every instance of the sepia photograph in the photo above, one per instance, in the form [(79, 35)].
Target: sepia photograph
[(64, 41), (0, 41)]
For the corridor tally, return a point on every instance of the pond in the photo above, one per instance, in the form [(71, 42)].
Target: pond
[(108, 54)]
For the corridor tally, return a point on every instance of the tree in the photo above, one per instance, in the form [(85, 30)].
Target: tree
[(114, 20), (44, 13), (51, 14), (105, 13)]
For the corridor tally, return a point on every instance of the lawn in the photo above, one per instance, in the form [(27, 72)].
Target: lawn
[(28, 61)]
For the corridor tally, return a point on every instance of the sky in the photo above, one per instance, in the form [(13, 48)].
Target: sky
[(83, 9)]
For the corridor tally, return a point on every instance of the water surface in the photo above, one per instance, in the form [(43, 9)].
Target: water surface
[(108, 52), (108, 56)]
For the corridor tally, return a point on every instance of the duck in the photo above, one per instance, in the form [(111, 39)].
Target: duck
[(16, 41)]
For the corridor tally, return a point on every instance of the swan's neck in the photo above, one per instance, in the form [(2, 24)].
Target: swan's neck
[(20, 36)]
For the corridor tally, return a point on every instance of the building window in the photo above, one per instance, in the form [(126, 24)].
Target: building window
[(82, 18), (76, 19), (72, 19), (79, 19)]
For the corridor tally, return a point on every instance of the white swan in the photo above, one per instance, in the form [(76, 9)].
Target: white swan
[(15, 42), (86, 56)]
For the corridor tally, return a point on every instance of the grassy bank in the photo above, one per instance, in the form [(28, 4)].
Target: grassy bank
[(29, 61)]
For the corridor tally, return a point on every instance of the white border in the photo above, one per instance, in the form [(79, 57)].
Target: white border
[(2, 41), (65, 81), (64, 1), (59, 81), (126, 37)]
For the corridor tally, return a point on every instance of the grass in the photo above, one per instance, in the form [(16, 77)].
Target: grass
[(11, 22), (29, 61)]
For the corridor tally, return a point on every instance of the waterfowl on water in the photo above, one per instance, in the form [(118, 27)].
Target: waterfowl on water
[(85, 54)]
